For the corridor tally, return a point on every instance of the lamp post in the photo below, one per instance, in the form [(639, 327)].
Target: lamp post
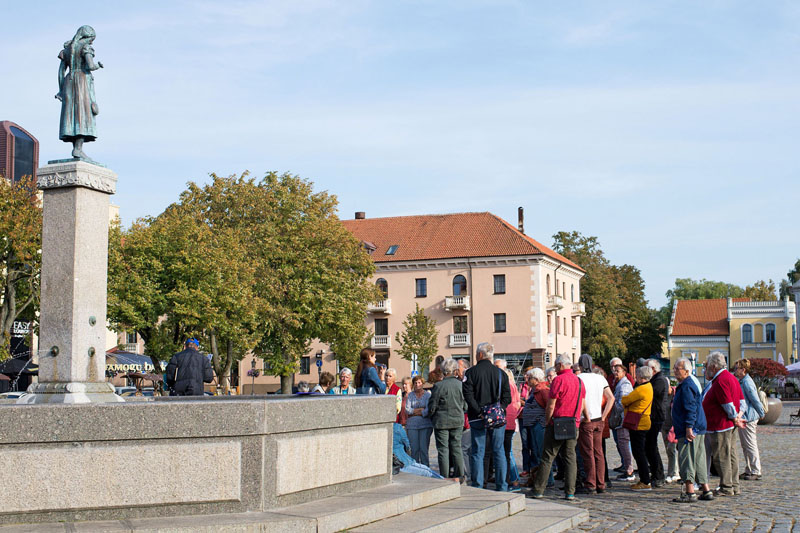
[(253, 374)]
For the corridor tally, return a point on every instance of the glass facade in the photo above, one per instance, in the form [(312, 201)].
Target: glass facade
[(23, 154)]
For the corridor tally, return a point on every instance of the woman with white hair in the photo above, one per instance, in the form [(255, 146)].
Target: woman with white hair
[(637, 421), (446, 408), (533, 418)]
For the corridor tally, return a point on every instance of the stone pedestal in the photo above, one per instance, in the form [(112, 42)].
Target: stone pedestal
[(73, 290)]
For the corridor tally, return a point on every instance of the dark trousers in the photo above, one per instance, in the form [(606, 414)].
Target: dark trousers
[(550, 451), (448, 446), (653, 455), (526, 448), (638, 449)]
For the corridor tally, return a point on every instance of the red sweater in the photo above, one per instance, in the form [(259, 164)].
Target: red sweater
[(725, 389)]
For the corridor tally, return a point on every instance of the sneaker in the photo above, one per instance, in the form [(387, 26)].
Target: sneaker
[(625, 477), (537, 495), (658, 483), (571, 498), (751, 477), (620, 469), (707, 496), (724, 492), (600, 491), (686, 498), (641, 486), (672, 479), (584, 490)]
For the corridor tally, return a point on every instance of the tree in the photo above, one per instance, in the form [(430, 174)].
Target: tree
[(419, 337), (20, 254), (791, 277), (764, 370), (761, 291)]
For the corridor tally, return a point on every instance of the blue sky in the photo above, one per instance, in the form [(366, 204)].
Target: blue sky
[(670, 130)]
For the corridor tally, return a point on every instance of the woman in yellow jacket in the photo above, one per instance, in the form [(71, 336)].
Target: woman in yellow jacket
[(639, 402)]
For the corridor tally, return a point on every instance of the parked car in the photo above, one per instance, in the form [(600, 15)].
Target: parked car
[(13, 395), (148, 391), (121, 390)]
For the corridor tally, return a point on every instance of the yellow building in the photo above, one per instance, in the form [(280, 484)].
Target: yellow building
[(738, 327)]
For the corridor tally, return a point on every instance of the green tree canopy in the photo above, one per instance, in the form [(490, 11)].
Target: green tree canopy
[(419, 336), (20, 254), (761, 291), (791, 277)]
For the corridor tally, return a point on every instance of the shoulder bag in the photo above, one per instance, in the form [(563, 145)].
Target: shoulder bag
[(631, 420), (564, 427), (493, 415)]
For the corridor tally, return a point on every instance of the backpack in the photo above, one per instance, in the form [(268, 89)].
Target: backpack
[(763, 397)]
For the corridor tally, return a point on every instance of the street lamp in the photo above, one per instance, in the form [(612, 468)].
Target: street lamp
[(253, 373)]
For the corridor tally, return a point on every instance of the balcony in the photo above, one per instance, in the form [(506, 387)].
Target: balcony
[(578, 309), (131, 347), (380, 341), (554, 302), (381, 306), (452, 303), (458, 340)]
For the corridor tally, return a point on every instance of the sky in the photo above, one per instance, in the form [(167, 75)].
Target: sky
[(670, 130)]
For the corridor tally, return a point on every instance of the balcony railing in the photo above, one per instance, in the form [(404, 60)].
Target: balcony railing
[(381, 306), (456, 302), (554, 302), (578, 308), (381, 341), (457, 340), (130, 347)]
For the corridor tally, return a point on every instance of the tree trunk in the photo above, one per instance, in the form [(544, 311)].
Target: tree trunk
[(287, 382), (225, 377), (215, 362)]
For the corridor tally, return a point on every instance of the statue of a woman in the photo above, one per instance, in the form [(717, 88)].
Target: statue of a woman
[(76, 91)]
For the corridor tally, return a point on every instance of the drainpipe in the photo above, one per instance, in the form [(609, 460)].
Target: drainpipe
[(555, 284), (471, 312)]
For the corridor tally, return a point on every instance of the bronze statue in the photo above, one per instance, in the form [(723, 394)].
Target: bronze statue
[(76, 91)]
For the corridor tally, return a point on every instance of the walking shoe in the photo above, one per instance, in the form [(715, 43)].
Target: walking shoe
[(641, 486), (585, 490), (724, 492), (707, 496), (742, 475), (737, 491), (672, 479), (686, 497), (658, 483), (620, 469), (751, 477), (537, 495), (571, 498), (601, 491), (625, 477)]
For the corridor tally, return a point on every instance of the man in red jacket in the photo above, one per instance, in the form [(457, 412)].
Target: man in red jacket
[(723, 405)]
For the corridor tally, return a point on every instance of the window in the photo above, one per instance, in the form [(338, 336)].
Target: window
[(383, 286), (564, 289), (572, 291), (565, 325), (548, 285), (499, 322), (769, 333), (392, 249), (747, 333), (459, 285), (558, 326), (549, 323), (422, 287), (574, 333), (459, 324), (499, 283), (305, 365), (381, 326), (130, 338)]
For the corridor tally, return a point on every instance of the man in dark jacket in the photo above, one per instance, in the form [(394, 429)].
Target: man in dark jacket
[(187, 370), (484, 386), (446, 407), (658, 415)]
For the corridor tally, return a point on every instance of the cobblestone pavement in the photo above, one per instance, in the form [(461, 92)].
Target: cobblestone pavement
[(769, 505)]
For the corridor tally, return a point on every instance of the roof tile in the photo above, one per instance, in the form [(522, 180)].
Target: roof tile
[(702, 317)]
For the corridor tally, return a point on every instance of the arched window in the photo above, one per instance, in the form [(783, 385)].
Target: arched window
[(459, 285), (383, 286), (548, 285), (769, 333), (572, 292), (747, 333)]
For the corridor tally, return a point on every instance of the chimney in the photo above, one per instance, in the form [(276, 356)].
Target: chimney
[(521, 220), (360, 215)]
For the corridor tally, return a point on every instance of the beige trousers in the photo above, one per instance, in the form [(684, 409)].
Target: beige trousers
[(749, 440), (726, 460)]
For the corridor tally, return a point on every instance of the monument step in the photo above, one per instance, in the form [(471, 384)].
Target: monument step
[(405, 494), (474, 509), (539, 517)]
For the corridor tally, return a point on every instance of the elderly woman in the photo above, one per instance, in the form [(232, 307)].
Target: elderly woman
[(638, 405), (446, 408), (752, 414), (622, 388), (418, 425), (533, 417), (392, 388), (345, 376)]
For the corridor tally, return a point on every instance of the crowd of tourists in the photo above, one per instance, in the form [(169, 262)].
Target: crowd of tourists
[(565, 416)]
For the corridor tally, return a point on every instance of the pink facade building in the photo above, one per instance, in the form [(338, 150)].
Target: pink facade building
[(479, 277)]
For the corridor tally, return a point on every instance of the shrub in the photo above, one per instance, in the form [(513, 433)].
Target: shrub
[(763, 371)]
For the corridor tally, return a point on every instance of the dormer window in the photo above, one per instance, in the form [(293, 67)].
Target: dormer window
[(392, 249)]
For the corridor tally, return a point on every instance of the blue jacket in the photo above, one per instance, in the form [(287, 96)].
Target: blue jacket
[(370, 383), (754, 410), (687, 410), (400, 443)]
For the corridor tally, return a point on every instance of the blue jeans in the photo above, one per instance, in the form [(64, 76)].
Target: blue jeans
[(478, 434), (536, 440), (420, 470), (420, 443), (526, 451)]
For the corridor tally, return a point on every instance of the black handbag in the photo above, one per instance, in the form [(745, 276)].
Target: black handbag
[(564, 427)]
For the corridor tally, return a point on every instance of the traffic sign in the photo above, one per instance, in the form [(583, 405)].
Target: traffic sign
[(414, 373), (319, 363)]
